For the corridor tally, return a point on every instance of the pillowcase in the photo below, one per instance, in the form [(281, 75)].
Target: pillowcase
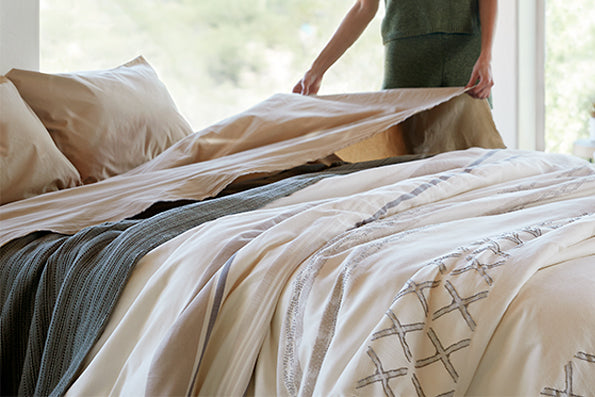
[(30, 162), (106, 122)]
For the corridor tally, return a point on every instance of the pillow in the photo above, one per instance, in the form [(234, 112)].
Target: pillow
[(30, 162), (106, 122)]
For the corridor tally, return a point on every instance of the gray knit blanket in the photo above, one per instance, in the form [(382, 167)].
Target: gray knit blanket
[(58, 291)]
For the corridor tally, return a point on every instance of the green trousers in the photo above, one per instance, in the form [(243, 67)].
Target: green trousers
[(433, 60)]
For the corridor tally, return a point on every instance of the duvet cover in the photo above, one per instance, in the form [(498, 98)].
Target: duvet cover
[(465, 274)]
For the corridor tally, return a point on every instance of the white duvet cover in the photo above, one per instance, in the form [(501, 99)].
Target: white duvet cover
[(469, 273)]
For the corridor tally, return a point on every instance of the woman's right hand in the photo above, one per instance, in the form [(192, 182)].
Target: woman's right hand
[(309, 84), (352, 26)]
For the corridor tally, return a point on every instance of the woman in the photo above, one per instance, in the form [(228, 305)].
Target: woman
[(428, 43)]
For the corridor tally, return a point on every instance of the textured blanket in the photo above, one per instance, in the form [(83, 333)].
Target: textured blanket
[(57, 291)]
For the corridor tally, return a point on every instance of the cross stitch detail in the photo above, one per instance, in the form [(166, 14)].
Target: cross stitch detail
[(380, 375), (443, 354), (481, 268), (485, 258), (400, 331), (494, 247), (585, 357), (440, 261), (460, 304), (418, 290), (568, 387), (514, 237)]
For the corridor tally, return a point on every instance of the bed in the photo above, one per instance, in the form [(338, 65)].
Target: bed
[(382, 243)]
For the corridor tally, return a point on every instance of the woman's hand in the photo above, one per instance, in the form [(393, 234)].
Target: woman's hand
[(481, 79), (352, 26), (309, 84)]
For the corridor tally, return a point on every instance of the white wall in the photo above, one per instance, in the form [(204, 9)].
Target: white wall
[(504, 67), (19, 34), (531, 77)]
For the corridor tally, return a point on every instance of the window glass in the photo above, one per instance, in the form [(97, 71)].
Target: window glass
[(217, 57), (569, 72)]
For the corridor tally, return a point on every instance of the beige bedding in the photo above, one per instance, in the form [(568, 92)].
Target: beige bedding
[(282, 132)]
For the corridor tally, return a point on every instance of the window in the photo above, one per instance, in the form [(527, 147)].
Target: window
[(217, 57), (569, 72)]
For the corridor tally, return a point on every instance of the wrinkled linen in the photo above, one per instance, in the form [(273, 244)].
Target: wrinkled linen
[(467, 273), (285, 131)]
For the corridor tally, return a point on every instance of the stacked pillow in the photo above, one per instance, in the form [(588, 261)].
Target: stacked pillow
[(60, 130), (30, 162)]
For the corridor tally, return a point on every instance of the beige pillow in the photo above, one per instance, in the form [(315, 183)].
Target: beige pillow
[(30, 162), (107, 121)]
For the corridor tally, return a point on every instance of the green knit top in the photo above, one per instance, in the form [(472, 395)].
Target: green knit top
[(407, 18)]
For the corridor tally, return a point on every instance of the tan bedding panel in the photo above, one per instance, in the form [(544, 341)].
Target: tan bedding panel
[(282, 132)]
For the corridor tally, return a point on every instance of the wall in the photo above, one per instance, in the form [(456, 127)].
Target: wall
[(19, 34), (531, 75), (504, 68)]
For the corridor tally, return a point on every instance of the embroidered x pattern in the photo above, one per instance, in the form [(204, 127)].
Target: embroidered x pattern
[(380, 375), (443, 354)]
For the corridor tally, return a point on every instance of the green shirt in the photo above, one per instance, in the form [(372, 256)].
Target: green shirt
[(408, 18)]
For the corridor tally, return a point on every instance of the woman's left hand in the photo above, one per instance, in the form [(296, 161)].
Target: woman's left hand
[(481, 80)]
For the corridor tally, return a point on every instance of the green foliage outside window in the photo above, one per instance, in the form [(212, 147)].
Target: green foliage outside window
[(217, 57), (569, 72)]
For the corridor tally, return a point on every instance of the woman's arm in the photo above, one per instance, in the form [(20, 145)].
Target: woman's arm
[(481, 79), (350, 29)]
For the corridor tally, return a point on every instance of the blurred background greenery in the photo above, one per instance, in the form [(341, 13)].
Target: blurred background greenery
[(569, 72), (219, 57)]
